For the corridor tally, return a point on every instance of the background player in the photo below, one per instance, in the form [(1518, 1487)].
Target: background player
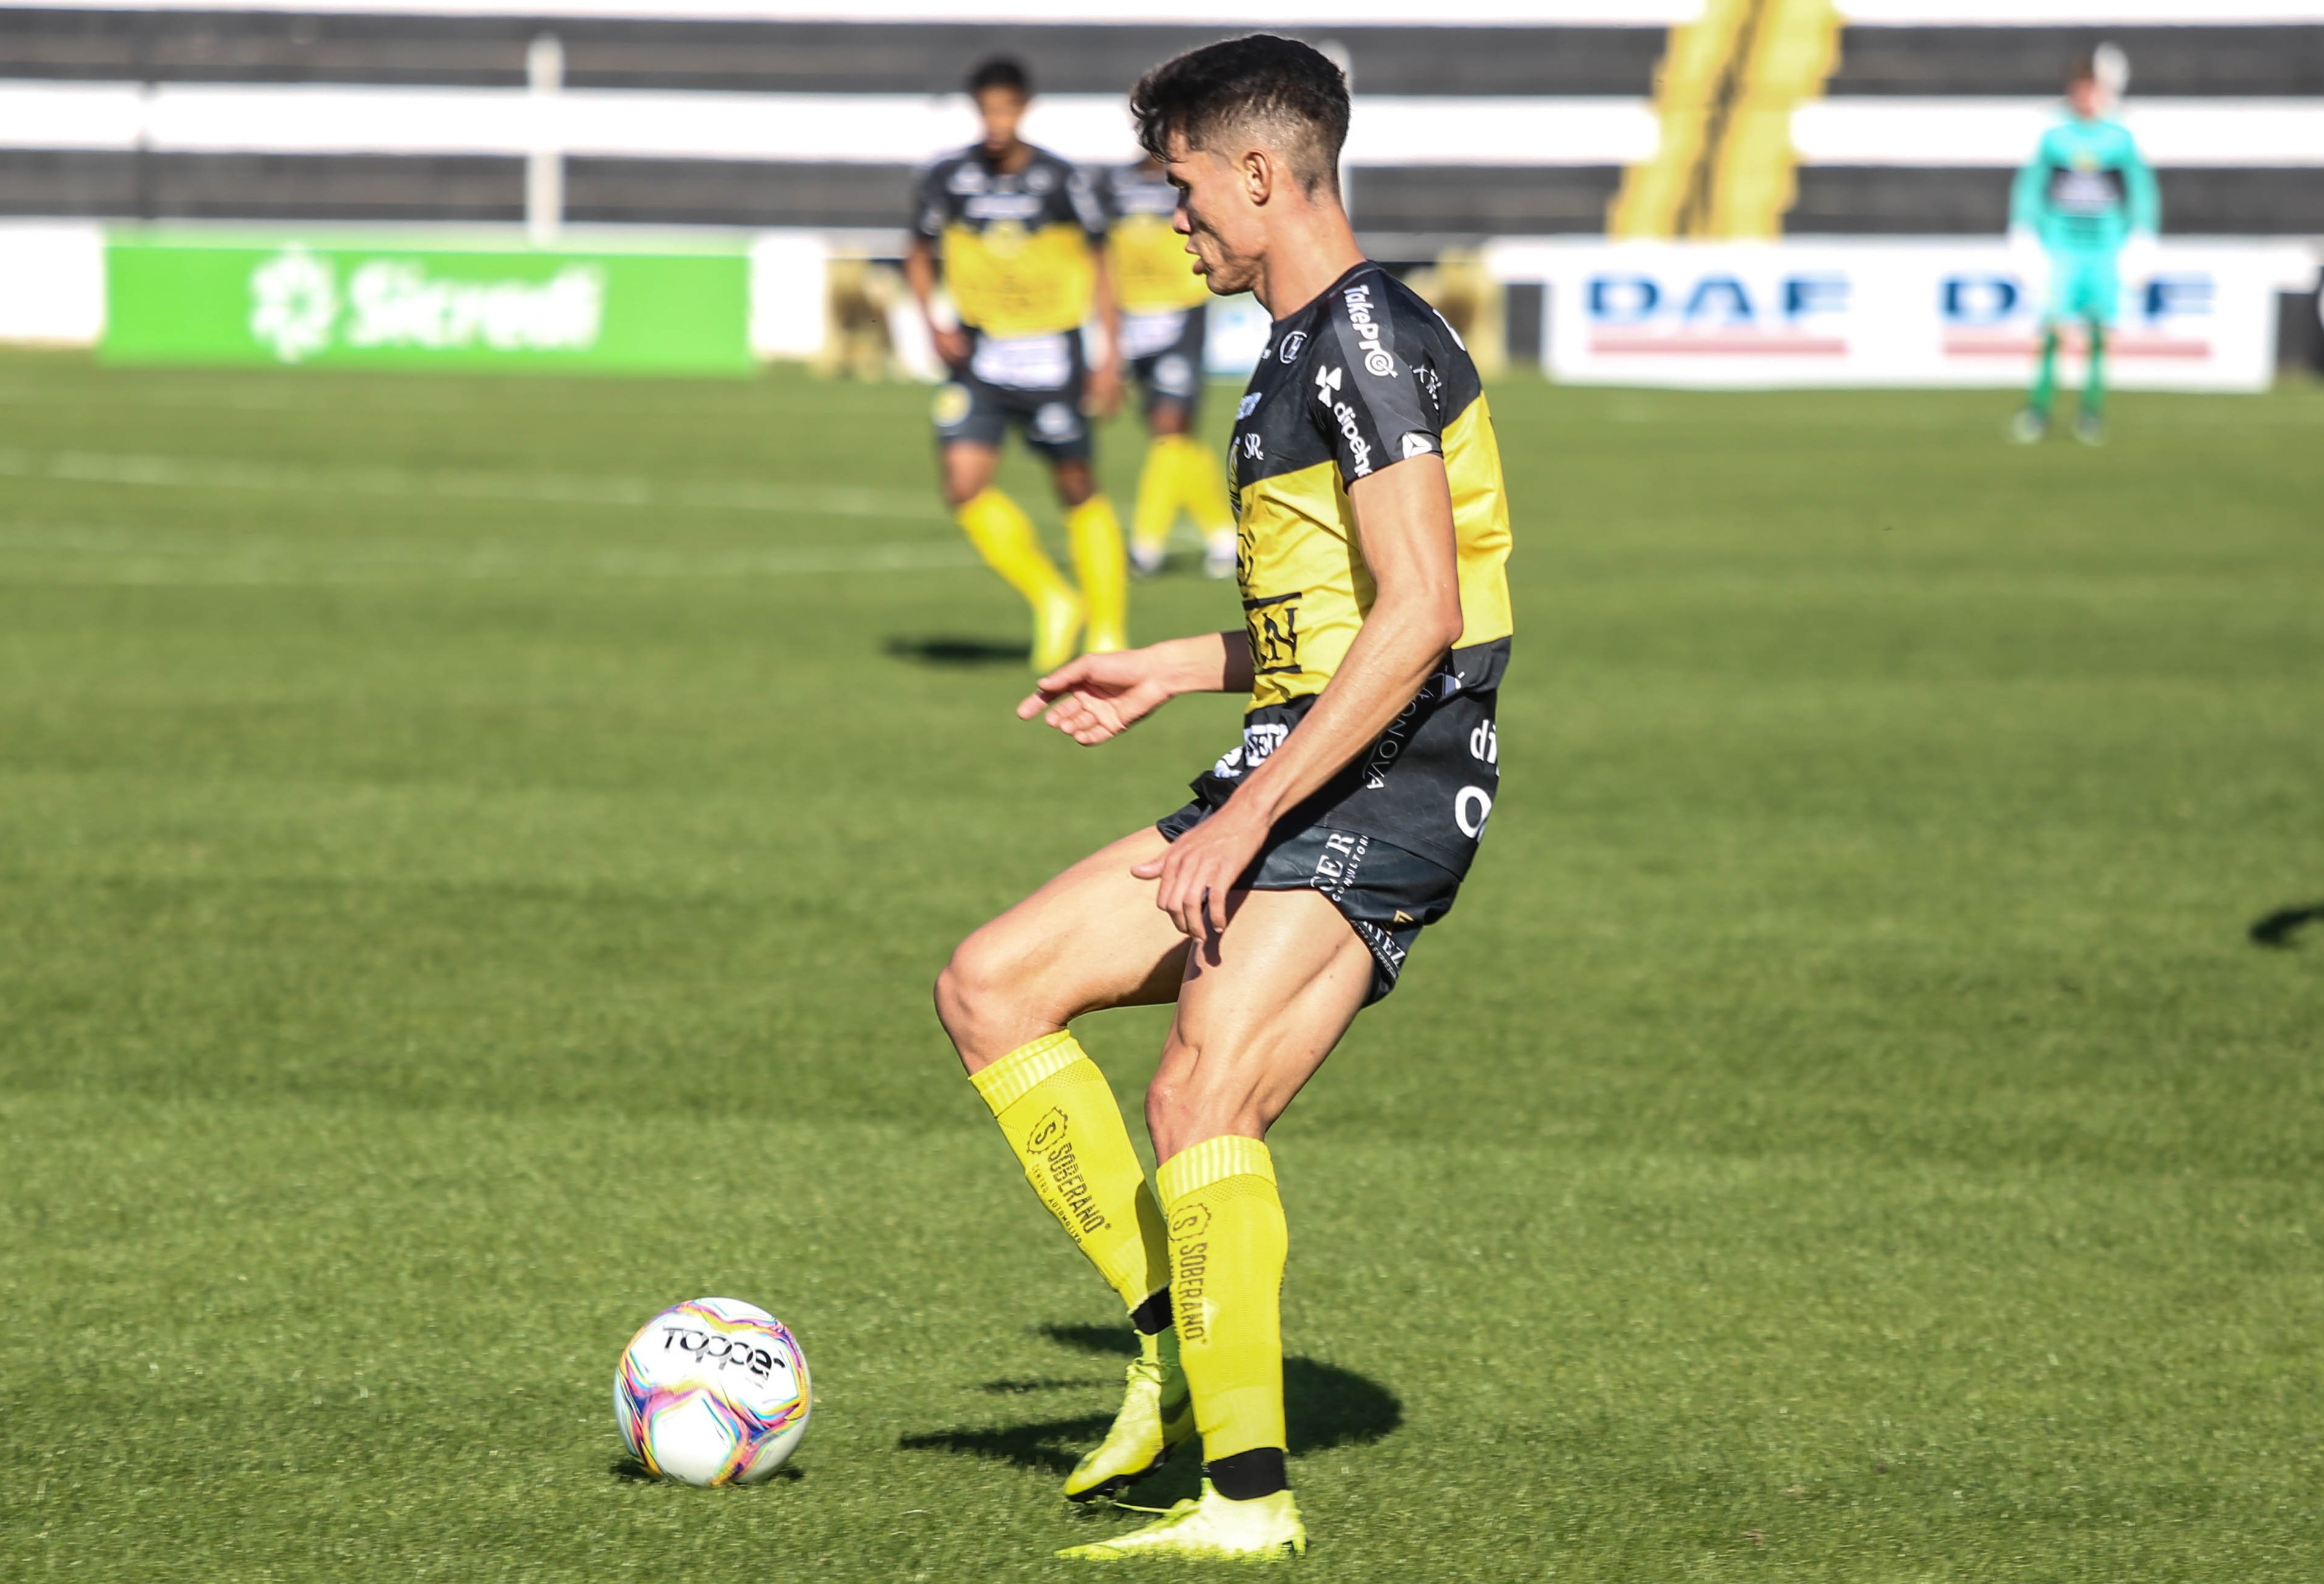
[(1283, 899), (1165, 318), (1022, 234), (2085, 197)]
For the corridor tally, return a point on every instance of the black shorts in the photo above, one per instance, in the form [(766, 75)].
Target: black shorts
[(1034, 383), (1385, 893), (1171, 374)]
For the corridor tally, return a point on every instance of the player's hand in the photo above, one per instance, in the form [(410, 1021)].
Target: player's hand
[(1104, 396), (952, 345), (1199, 871), (1097, 696)]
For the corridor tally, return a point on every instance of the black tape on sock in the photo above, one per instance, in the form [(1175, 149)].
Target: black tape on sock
[(1248, 1475), (1152, 1317)]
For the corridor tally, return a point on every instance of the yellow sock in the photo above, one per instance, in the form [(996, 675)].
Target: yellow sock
[(1003, 535), (1059, 1114), (1203, 488), (1104, 572), (1160, 486), (1227, 1248)]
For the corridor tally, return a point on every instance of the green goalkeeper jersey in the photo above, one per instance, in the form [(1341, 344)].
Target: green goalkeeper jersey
[(2087, 189)]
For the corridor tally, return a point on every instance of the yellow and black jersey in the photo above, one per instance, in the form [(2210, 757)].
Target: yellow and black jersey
[(1016, 245), (1366, 377), (1153, 273)]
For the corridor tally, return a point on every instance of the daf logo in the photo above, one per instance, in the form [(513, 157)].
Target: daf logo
[(1293, 345)]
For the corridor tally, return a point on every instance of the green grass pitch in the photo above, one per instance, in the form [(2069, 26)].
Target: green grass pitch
[(473, 855)]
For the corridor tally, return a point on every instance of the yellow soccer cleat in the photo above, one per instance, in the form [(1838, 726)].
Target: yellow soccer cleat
[(1150, 1426), (1056, 623), (1212, 1528)]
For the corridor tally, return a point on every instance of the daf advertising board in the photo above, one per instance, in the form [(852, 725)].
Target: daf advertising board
[(2196, 317), (240, 298)]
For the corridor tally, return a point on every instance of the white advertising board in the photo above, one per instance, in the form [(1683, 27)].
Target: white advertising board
[(2198, 317)]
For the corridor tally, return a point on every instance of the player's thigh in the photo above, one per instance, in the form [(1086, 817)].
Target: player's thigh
[(1089, 939), (967, 467), (1263, 1004)]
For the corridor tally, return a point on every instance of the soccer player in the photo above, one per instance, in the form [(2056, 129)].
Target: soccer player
[(2086, 199), (1165, 318), (1023, 235), (1284, 899)]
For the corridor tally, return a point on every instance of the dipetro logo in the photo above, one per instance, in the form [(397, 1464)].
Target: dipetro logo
[(298, 312)]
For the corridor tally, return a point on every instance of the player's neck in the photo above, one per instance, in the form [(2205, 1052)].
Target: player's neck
[(1007, 161), (1312, 249)]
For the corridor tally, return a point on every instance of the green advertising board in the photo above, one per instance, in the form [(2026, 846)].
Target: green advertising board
[(356, 302)]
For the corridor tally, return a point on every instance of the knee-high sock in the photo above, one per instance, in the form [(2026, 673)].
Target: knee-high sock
[(2045, 375), (1003, 535), (1203, 488), (1104, 572), (1158, 489), (2094, 382), (1059, 1114), (1227, 1248)]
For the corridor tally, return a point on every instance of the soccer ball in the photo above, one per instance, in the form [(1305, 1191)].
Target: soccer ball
[(713, 1391)]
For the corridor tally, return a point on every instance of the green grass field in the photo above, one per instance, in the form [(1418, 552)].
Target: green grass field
[(473, 855)]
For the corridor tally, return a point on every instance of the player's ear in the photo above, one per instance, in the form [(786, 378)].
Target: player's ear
[(1259, 176)]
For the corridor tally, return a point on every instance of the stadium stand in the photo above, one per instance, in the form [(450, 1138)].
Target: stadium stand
[(242, 110)]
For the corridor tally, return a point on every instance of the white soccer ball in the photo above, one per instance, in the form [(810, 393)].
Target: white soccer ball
[(712, 1391)]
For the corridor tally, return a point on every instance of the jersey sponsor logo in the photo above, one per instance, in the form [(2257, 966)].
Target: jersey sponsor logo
[(968, 178), (951, 405), (1327, 384), (1417, 445), (1484, 743), (1337, 865), (1259, 742), (1359, 450), (1249, 405), (1040, 179), (1274, 624), (1173, 375), (1464, 801), (1252, 445), (1376, 359), (1293, 345), (1057, 420), (1020, 206)]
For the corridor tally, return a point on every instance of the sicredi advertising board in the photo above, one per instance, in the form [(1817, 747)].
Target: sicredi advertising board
[(289, 301), (2198, 317)]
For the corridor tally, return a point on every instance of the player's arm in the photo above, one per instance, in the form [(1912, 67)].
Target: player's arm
[(1404, 521), (920, 267), (2029, 195), (1096, 219), (2145, 197), (1099, 696)]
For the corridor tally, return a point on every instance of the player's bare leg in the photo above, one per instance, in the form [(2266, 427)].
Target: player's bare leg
[(1089, 939), (1263, 1003), (1004, 536)]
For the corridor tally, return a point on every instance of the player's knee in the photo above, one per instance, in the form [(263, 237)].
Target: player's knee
[(973, 988)]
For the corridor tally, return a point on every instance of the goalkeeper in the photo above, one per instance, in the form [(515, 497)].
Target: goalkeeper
[(2086, 199)]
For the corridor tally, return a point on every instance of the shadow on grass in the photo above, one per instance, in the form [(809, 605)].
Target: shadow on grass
[(1326, 1405), (2280, 927), (959, 651), (631, 1472)]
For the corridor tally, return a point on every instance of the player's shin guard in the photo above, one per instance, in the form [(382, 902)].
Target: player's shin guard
[(2045, 376), (1003, 535), (1156, 507), (1228, 1243), (1059, 1114), (1104, 570), (1203, 488)]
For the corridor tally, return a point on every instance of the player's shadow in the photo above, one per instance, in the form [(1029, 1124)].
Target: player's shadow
[(2280, 927), (1326, 1406), (630, 1471), (958, 651)]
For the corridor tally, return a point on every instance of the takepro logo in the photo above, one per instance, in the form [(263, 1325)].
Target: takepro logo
[(1697, 312), (1999, 314)]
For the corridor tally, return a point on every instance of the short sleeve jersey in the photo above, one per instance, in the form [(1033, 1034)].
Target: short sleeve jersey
[(2087, 188), (1016, 244), (1152, 272), (1366, 376)]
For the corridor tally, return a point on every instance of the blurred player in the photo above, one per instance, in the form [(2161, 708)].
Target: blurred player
[(1165, 315), (1022, 235), (1283, 899), (2085, 199)]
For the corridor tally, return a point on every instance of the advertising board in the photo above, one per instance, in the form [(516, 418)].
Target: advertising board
[(237, 298), (2196, 317)]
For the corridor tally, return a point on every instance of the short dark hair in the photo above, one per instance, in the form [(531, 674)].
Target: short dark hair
[(2084, 68), (1291, 88), (1002, 71)]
